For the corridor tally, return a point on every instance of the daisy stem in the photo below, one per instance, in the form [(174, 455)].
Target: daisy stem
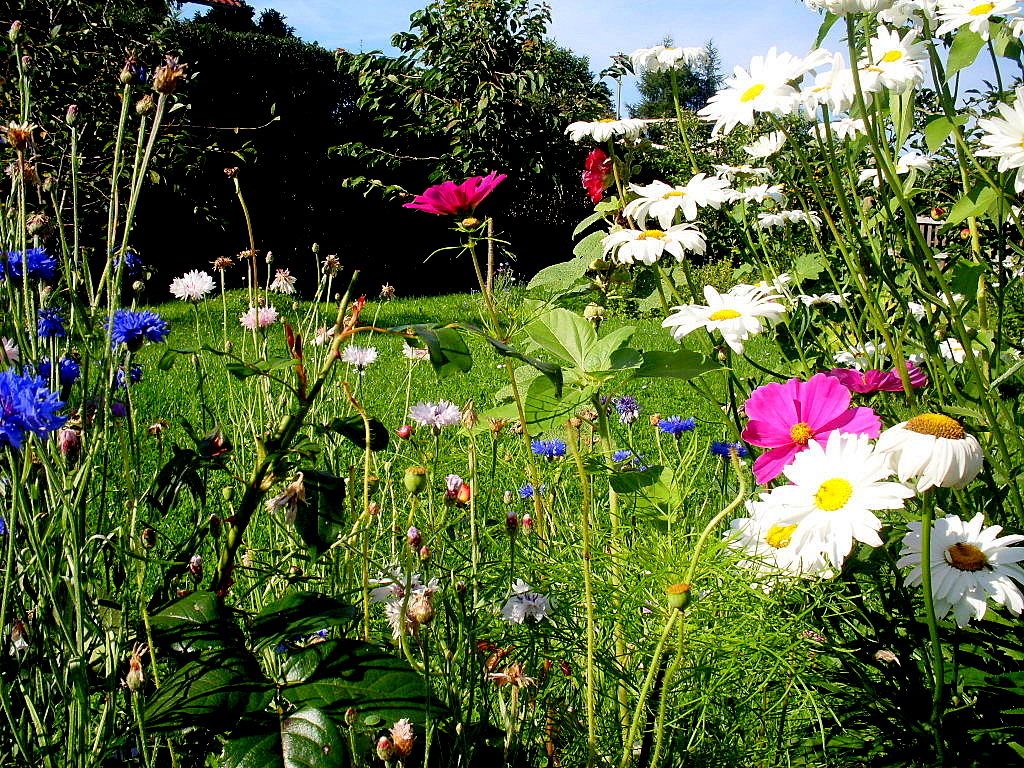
[(938, 670), (679, 120)]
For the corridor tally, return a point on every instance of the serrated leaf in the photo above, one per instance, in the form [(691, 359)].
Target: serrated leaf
[(338, 674), (807, 266), (299, 614), (680, 364), (559, 278), (965, 49)]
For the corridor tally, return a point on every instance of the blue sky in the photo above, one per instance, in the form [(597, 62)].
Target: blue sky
[(596, 29)]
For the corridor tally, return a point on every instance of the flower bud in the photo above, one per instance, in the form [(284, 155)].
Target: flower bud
[(385, 749), (70, 441), (415, 480), (424, 553), (405, 431), (421, 607), (412, 536), (511, 522), (678, 596), (270, 257), (166, 77), (507, 497), (136, 677), (138, 286), (14, 34), (316, 247), (26, 62), (228, 492), (350, 716), (527, 523), (145, 105), (215, 526), (497, 425), (463, 494), (937, 213), (72, 116), (373, 509), (469, 416), (470, 222), (195, 568), (148, 538)]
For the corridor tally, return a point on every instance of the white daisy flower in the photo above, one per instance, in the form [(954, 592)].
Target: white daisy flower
[(604, 130), (1004, 138), (192, 286), (844, 7), (815, 299), (360, 357), (628, 246), (782, 218), (843, 129), (933, 449), (834, 88), (897, 63), (835, 491), (908, 161), (909, 11), (437, 415), (972, 14), (525, 605), (759, 193), (764, 88), (730, 172), (766, 145), (969, 563), (952, 349), (660, 58), (661, 201), (860, 356), (768, 547), (283, 282), (737, 314)]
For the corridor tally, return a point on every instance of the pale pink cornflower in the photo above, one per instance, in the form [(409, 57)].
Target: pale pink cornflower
[(437, 415), (360, 357), (192, 286), (258, 317), (8, 351), (283, 282), (415, 354)]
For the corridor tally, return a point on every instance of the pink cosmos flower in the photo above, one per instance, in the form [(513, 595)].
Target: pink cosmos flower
[(451, 199), (597, 173), (786, 417), (866, 382)]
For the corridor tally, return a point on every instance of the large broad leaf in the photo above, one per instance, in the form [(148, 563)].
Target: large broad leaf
[(211, 692), (965, 49), (546, 411), (320, 520), (338, 674), (599, 355), (307, 738), (975, 203), (564, 334), (680, 364), (299, 614), (938, 128), (353, 428), (448, 351), (179, 473), (650, 489), (552, 371), (193, 623)]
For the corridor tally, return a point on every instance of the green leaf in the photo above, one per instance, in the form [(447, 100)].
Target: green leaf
[(551, 370), (965, 277), (591, 219), (965, 49), (1005, 43), (566, 335), (598, 357), (826, 25), (170, 357), (938, 128), (338, 674), (180, 472), (211, 692), (589, 248), (560, 278), (353, 428), (298, 614), (807, 266), (448, 351), (680, 364), (975, 203), (320, 520), (307, 738), (546, 411), (195, 622)]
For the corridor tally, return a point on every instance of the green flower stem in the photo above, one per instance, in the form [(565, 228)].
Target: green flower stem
[(938, 666), (741, 494), (679, 121), (645, 689), (588, 588), (659, 725)]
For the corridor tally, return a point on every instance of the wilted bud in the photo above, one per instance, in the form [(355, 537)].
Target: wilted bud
[(403, 738), (19, 135), (385, 749), (471, 222), (214, 445), (373, 509), (387, 291), (166, 77), (678, 596), (131, 72), (655, 419), (469, 416), (72, 116), (421, 609), (405, 431), (14, 34), (269, 257), (148, 538), (511, 522), (721, 355), (412, 536), (315, 247), (497, 425), (138, 286), (195, 568), (937, 213), (136, 677), (424, 553), (507, 497), (215, 526), (350, 716), (26, 62), (145, 105), (575, 422), (70, 440), (516, 427), (39, 224), (415, 480), (593, 312)]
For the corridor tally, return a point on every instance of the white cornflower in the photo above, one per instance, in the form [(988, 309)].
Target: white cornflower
[(192, 286), (603, 130), (525, 605), (759, 193), (289, 498), (628, 246), (766, 145), (969, 563), (283, 282), (860, 356), (394, 583), (897, 63), (764, 88), (1004, 138), (360, 357), (415, 354), (814, 299), (437, 415), (834, 492), (660, 57), (661, 201), (933, 449), (768, 547), (8, 351), (737, 314), (972, 14)]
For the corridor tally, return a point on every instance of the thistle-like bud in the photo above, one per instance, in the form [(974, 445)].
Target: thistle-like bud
[(166, 77), (138, 286), (145, 105), (70, 441), (507, 497), (405, 431), (373, 509), (72, 115), (511, 522), (527, 523), (385, 749), (148, 538), (469, 416), (315, 247), (195, 568), (14, 34), (424, 553), (421, 607), (39, 225), (412, 536), (350, 716)]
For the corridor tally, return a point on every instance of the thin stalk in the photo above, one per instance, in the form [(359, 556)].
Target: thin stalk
[(938, 664)]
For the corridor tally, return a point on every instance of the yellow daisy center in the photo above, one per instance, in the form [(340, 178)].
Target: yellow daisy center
[(833, 494), (752, 92), (981, 10), (724, 314), (655, 234), (779, 536), (671, 48), (801, 433), (607, 120), (673, 193), (894, 55), (936, 425), (966, 557)]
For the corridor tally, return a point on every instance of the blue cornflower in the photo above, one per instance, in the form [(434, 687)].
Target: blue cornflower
[(27, 406), (68, 370), (51, 324), (134, 376), (628, 408), (722, 449), (526, 492), (635, 462), (549, 449), (622, 455), (134, 328), (281, 648), (132, 264), (677, 425), (41, 265), (3, 527)]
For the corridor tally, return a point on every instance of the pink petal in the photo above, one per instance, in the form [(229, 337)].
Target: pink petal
[(820, 399), (857, 421), (773, 403), (770, 464)]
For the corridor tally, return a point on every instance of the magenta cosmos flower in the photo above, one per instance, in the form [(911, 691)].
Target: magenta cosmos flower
[(866, 382), (451, 199), (785, 417)]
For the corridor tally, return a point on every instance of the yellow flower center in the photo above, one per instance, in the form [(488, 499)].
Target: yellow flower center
[(801, 433), (833, 494), (752, 92), (894, 55), (779, 536), (981, 10), (655, 234), (966, 557), (673, 193), (724, 314), (607, 120), (671, 48), (936, 425)]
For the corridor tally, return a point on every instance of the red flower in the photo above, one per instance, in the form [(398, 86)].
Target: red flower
[(866, 382), (451, 199), (597, 174)]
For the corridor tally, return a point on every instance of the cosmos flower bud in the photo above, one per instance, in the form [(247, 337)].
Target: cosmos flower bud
[(14, 34), (470, 222), (412, 536), (678, 596), (405, 431), (72, 116), (415, 480), (385, 749), (511, 522)]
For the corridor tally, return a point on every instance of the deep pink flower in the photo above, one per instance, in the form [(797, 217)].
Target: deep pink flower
[(786, 417), (597, 174), (451, 199), (866, 382)]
